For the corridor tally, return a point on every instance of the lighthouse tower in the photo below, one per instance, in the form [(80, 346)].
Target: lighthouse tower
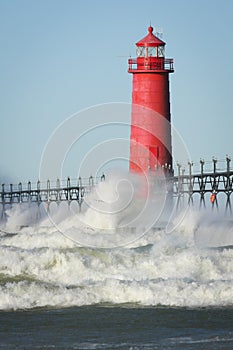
[(150, 140)]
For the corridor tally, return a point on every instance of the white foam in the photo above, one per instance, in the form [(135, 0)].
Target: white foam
[(80, 277)]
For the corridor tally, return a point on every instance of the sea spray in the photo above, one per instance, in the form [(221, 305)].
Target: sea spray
[(21, 214), (119, 210)]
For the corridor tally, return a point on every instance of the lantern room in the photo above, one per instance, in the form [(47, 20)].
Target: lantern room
[(150, 54), (150, 46)]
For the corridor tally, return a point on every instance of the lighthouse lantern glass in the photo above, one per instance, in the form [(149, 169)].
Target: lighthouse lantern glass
[(152, 51), (160, 51), (141, 51)]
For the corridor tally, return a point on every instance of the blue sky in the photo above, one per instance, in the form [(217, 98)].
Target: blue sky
[(59, 57)]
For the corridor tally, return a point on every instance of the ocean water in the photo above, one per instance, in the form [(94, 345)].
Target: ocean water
[(117, 327), (82, 281)]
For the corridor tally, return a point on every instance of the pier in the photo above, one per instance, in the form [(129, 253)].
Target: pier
[(49, 192), (207, 187)]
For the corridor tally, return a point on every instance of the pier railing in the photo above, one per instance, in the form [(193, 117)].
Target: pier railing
[(166, 64)]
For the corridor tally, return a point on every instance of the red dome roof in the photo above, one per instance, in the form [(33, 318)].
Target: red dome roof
[(150, 39)]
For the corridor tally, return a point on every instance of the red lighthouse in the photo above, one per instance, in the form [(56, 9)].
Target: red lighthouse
[(150, 140)]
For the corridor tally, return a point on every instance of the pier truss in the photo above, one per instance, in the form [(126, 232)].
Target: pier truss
[(207, 187)]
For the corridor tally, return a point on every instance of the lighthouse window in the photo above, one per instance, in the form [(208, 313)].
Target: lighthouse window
[(141, 50), (152, 51), (160, 51)]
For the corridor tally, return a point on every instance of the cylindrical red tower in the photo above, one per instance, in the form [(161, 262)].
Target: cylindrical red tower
[(150, 140)]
